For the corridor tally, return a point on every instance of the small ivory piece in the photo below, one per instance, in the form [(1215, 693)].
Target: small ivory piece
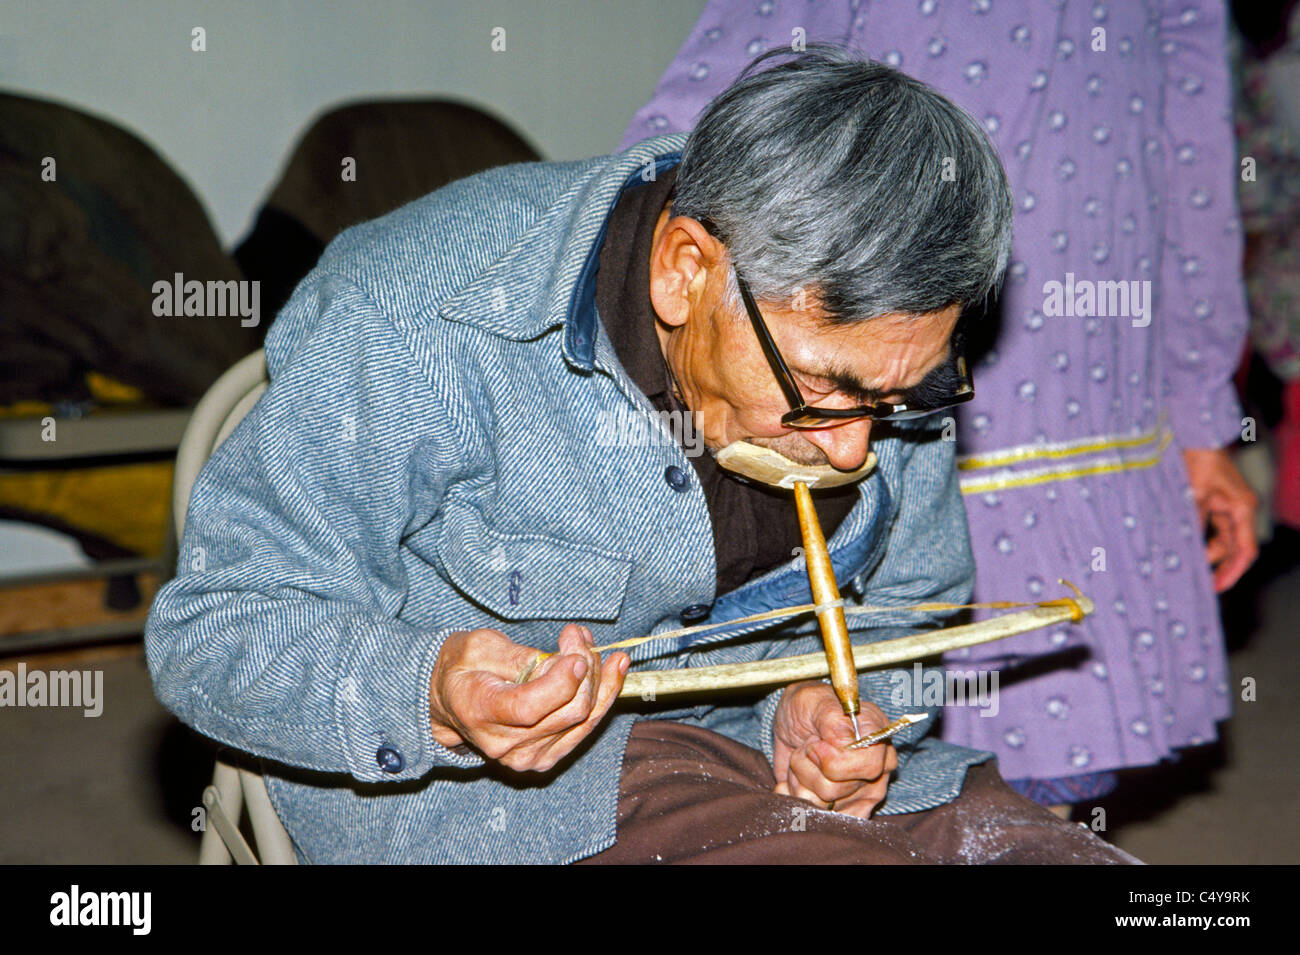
[(776, 470), (880, 735), (648, 684)]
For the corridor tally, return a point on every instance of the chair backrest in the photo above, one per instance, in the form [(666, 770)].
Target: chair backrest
[(216, 415), (233, 788)]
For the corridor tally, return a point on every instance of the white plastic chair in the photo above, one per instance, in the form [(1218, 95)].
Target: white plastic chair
[(233, 788)]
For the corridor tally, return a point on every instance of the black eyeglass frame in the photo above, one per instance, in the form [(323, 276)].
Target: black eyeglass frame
[(805, 416)]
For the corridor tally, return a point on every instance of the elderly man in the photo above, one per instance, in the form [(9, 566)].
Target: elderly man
[(429, 493)]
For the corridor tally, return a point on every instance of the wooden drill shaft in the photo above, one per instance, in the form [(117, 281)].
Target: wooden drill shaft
[(834, 628), (651, 684)]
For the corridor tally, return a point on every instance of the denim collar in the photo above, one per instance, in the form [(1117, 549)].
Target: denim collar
[(582, 328), (854, 548)]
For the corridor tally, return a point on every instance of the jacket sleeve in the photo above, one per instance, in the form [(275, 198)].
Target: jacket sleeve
[(1203, 317), (280, 633), (727, 36)]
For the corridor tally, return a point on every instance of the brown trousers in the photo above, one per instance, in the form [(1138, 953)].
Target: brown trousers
[(689, 795)]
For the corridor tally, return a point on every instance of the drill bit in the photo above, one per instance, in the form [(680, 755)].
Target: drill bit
[(902, 723)]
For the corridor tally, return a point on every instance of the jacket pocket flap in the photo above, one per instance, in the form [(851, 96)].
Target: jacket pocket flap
[(527, 576)]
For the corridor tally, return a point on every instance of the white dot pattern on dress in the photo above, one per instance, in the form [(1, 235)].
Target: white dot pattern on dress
[(1081, 134)]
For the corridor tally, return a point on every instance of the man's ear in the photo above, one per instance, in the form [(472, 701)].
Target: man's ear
[(684, 258)]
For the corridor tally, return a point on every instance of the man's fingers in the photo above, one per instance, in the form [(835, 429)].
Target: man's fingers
[(811, 760), (579, 640), (575, 639), (799, 791), (580, 722), (833, 726), (838, 728), (489, 651), (799, 768), (837, 762), (475, 697), (527, 704), (612, 674), (807, 779), (559, 745), (578, 669), (780, 762), (852, 765), (864, 802)]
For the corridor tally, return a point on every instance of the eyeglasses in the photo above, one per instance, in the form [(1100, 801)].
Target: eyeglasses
[(804, 415)]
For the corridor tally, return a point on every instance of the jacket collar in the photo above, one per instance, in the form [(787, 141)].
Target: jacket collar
[(547, 278), (854, 548)]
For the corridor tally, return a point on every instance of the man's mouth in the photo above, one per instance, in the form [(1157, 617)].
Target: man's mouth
[(766, 465), (794, 448)]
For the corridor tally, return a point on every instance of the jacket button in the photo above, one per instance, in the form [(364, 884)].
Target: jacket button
[(675, 477), (390, 760), (695, 612)]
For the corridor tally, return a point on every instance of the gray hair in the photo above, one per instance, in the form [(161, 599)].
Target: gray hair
[(826, 174)]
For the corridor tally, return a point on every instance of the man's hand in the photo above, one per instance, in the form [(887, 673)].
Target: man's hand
[(1227, 507), (810, 732), (473, 696)]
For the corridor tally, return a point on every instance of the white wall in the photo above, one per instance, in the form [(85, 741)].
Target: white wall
[(572, 74)]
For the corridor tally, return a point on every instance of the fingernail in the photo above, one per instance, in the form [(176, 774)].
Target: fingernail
[(580, 669)]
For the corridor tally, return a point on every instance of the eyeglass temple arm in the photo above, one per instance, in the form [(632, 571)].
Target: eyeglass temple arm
[(783, 378)]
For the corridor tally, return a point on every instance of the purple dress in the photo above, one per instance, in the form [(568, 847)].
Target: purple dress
[(1123, 167)]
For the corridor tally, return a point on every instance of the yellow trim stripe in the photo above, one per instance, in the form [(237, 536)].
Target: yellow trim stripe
[(1058, 449), (1011, 479)]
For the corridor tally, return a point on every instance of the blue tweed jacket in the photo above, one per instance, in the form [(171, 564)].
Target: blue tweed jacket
[(424, 462)]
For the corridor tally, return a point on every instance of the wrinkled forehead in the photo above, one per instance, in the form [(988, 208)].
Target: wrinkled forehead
[(890, 339)]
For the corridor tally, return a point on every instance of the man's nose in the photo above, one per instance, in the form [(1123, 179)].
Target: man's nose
[(846, 445)]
